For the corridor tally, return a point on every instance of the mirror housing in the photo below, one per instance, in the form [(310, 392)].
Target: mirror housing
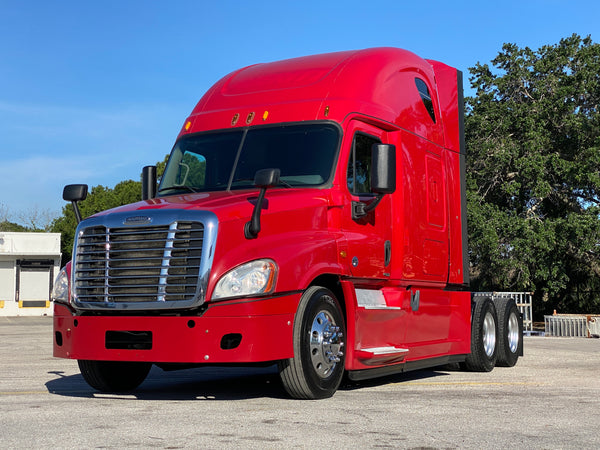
[(75, 193), (383, 168), (148, 182), (266, 178)]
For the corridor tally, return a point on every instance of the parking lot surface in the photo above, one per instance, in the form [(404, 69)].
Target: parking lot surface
[(550, 399)]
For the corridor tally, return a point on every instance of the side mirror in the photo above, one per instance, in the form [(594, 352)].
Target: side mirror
[(383, 178), (383, 168), (148, 182), (75, 193), (264, 179)]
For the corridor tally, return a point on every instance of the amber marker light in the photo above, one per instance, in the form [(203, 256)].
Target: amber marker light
[(235, 119), (188, 125), (265, 115), (250, 118)]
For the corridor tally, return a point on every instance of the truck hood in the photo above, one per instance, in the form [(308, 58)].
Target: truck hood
[(230, 205)]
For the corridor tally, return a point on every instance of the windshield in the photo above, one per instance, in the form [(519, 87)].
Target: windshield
[(226, 160)]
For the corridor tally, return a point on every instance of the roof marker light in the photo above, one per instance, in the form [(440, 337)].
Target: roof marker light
[(265, 115), (188, 124), (236, 116)]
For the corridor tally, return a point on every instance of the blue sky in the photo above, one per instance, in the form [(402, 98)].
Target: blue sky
[(91, 91)]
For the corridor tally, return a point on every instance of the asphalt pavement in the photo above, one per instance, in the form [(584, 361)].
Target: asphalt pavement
[(550, 399)]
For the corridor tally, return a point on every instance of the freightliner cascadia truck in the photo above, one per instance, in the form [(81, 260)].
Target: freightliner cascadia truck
[(311, 215)]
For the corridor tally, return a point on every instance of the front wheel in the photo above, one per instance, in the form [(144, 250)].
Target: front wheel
[(114, 376), (317, 367)]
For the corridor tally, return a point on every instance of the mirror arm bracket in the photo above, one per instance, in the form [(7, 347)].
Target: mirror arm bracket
[(361, 209), (252, 228)]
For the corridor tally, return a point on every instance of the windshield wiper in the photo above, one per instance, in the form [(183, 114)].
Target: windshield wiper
[(183, 186)]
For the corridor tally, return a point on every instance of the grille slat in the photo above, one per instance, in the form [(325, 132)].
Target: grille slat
[(138, 264)]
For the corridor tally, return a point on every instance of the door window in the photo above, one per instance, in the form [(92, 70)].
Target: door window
[(359, 165)]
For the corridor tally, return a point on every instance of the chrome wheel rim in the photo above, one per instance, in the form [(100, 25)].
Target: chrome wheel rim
[(489, 334), (325, 344), (513, 333)]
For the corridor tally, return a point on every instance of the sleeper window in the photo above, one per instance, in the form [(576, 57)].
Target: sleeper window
[(426, 97)]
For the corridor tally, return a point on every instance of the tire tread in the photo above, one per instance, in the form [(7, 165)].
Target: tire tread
[(506, 358), (477, 360)]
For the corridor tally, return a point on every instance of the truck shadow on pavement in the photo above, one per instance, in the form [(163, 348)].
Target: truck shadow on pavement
[(406, 377), (208, 383), (214, 383)]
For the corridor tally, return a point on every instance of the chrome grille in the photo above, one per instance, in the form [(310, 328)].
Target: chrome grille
[(150, 263)]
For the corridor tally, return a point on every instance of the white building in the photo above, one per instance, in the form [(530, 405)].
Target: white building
[(29, 262)]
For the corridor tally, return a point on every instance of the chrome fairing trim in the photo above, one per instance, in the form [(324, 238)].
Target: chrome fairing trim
[(165, 218)]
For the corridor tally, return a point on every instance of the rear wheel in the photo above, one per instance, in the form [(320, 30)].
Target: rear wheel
[(510, 331), (317, 367), (484, 333), (114, 376)]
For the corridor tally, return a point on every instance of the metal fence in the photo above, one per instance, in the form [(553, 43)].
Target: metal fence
[(523, 301), (572, 325), (566, 325)]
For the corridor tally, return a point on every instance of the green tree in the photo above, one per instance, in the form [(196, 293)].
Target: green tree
[(7, 226), (533, 181)]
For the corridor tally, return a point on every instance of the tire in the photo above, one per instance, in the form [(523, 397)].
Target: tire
[(317, 368), (510, 332), (114, 376), (484, 333)]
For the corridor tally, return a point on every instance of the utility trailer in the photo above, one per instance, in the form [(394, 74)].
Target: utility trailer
[(311, 215)]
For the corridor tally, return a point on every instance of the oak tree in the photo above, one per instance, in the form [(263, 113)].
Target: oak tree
[(533, 161)]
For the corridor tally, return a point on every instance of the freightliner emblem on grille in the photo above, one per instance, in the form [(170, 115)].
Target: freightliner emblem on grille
[(137, 220)]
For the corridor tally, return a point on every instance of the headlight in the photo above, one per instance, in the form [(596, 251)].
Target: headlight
[(60, 291), (253, 278)]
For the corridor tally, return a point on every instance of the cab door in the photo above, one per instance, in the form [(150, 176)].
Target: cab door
[(368, 238)]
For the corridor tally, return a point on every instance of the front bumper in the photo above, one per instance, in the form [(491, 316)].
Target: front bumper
[(247, 331)]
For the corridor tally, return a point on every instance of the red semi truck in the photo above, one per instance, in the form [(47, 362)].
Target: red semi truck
[(311, 215)]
